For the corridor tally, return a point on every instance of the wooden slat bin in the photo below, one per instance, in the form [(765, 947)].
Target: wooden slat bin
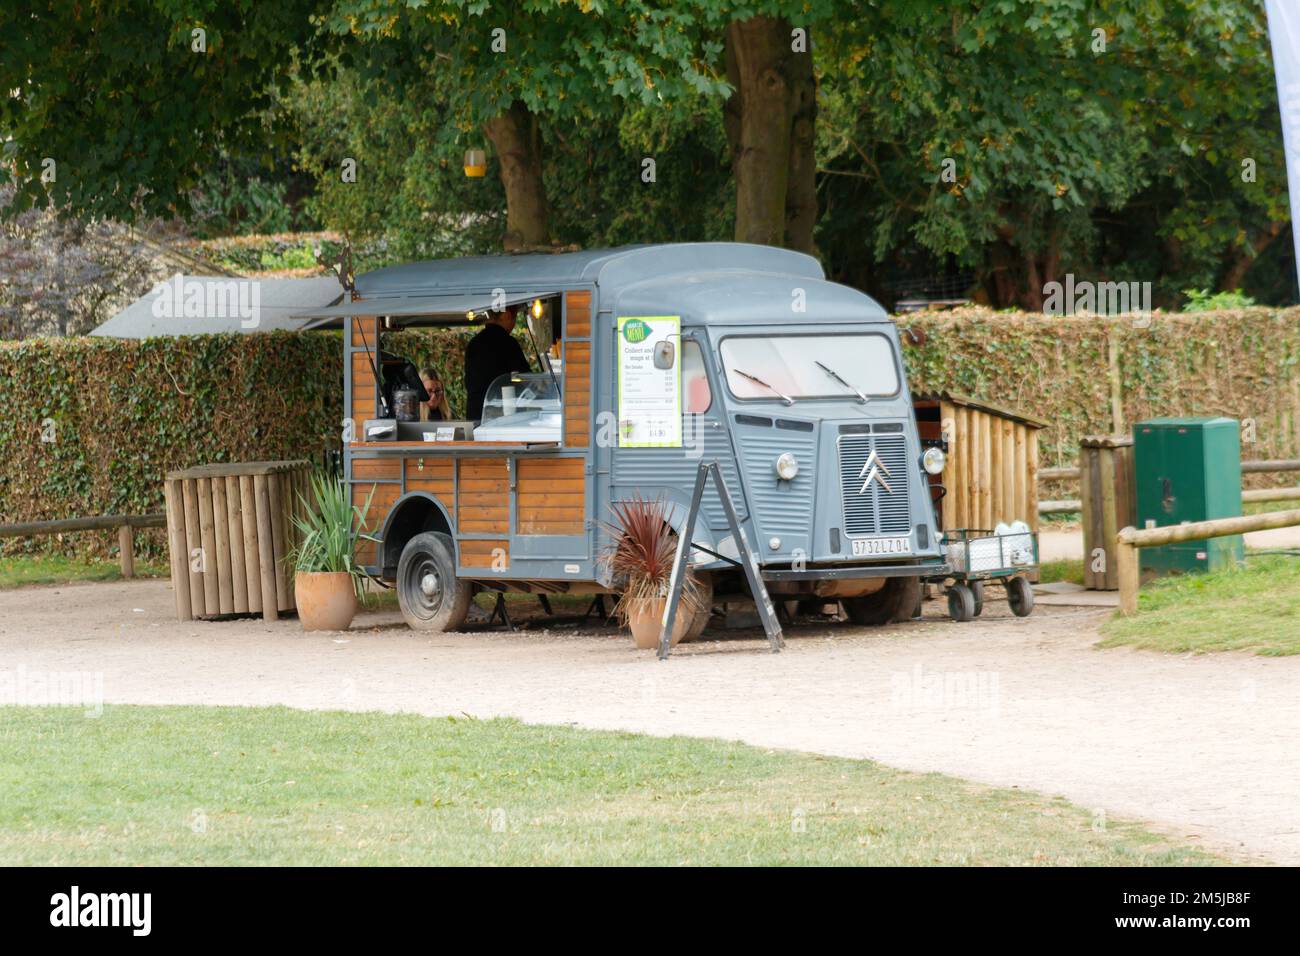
[(1109, 504), (229, 532)]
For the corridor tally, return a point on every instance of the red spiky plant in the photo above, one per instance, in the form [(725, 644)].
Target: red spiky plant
[(641, 557)]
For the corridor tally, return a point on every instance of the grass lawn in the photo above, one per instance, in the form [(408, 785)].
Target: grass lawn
[(1060, 521), (21, 570), (191, 785), (1066, 569), (1265, 507), (1256, 608)]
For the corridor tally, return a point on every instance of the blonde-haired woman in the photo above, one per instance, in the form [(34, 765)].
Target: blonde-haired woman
[(436, 409)]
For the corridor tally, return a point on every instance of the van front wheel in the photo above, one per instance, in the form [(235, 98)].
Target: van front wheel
[(432, 598), (896, 601)]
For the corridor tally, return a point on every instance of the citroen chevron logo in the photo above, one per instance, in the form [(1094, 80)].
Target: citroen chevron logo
[(873, 471)]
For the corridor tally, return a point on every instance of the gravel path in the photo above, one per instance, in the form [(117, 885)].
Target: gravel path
[(1205, 747)]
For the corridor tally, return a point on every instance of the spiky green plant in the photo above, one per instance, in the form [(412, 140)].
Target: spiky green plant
[(328, 530)]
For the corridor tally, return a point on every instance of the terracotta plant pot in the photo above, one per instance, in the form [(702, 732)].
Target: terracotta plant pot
[(645, 618), (326, 600)]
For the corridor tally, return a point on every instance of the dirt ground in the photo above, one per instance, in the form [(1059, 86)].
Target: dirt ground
[(1206, 748)]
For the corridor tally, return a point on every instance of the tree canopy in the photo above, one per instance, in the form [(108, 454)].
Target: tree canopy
[(992, 145)]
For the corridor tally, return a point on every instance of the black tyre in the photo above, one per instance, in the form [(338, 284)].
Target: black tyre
[(977, 589), (431, 596), (896, 601), (1020, 596), (961, 603)]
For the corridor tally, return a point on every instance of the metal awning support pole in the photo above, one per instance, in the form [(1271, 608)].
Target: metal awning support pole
[(762, 601)]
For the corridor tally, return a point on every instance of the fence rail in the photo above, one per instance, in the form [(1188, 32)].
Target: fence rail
[(1065, 506), (1262, 466), (125, 525), (1130, 540)]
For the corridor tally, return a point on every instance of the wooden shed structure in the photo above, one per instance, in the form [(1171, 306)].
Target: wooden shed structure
[(992, 470)]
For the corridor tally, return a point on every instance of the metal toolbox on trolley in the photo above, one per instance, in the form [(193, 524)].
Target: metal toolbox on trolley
[(978, 552)]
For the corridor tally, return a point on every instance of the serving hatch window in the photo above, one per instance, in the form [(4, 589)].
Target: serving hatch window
[(809, 366)]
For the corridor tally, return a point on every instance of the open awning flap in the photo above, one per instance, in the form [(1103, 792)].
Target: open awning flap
[(452, 307), (214, 305)]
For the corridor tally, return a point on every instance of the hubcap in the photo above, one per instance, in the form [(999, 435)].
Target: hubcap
[(422, 587)]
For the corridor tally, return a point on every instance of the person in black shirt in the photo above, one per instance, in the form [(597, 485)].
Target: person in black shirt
[(491, 353)]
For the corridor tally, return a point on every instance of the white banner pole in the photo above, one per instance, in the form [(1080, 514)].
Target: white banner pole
[(1284, 34)]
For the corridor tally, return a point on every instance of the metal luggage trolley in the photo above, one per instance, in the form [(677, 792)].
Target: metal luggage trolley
[(978, 555)]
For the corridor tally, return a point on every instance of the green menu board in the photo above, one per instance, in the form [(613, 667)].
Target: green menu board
[(649, 381)]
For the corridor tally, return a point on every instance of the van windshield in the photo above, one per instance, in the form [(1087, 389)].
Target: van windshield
[(810, 366)]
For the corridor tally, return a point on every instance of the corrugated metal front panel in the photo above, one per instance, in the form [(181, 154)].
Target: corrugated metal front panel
[(883, 506), (780, 507), (653, 468)]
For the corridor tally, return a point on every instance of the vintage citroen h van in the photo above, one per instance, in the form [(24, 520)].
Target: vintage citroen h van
[(649, 360)]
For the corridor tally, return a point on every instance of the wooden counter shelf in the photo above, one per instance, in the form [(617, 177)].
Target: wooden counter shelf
[(434, 447)]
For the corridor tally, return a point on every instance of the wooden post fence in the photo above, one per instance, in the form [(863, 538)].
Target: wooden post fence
[(125, 526), (1130, 539), (1260, 466)]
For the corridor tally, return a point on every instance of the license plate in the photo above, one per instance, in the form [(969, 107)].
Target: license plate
[(867, 547)]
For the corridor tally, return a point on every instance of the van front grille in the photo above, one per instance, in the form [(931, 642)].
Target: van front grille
[(879, 503)]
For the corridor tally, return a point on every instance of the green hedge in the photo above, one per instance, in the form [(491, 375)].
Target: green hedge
[(123, 413), (1240, 363), (91, 425)]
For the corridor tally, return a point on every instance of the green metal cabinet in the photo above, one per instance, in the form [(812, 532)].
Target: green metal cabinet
[(1188, 469)]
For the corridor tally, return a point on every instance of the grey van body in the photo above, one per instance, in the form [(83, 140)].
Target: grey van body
[(802, 530)]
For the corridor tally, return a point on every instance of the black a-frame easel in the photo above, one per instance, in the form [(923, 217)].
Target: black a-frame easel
[(762, 601)]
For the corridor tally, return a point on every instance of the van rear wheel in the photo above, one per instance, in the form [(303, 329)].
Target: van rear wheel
[(896, 601), (432, 598)]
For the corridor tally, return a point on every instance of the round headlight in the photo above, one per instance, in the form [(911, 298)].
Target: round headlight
[(787, 466), (933, 460)]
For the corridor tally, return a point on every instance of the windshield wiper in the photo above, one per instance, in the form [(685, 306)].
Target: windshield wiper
[(833, 374), (754, 378)]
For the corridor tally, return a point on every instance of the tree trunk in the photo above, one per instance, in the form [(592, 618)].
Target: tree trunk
[(519, 148), (759, 124), (1031, 299), (1005, 283), (1240, 264), (801, 187)]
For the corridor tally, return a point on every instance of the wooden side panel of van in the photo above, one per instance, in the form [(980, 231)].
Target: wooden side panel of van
[(362, 403), (482, 554), (434, 476), (389, 469), (577, 314), (577, 369), (483, 496), (382, 498), (551, 496)]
